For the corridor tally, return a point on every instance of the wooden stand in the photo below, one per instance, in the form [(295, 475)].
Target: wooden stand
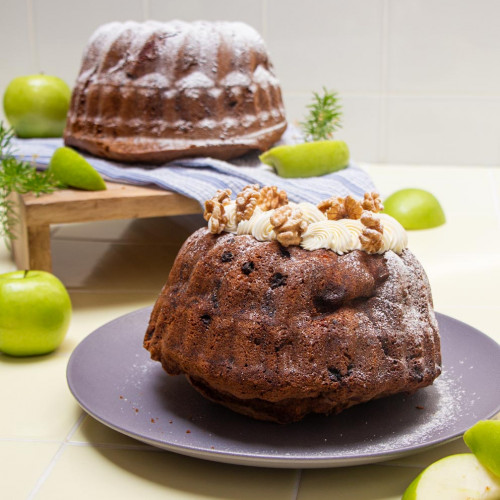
[(31, 247)]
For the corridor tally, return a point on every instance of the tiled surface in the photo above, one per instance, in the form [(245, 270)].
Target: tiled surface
[(342, 48), (112, 473), (215, 10), (50, 449), (454, 32), (15, 22), (67, 42), (23, 463), (36, 403), (420, 79), (356, 483), (422, 128)]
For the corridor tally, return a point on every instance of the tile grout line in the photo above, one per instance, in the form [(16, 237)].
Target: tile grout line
[(29, 440), (407, 94), (115, 446), (296, 486), (384, 83), (45, 474)]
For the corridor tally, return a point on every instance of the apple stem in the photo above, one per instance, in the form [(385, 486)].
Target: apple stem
[(25, 273)]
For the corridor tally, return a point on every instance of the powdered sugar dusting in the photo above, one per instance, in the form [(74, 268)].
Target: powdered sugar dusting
[(116, 50), (446, 410), (195, 80)]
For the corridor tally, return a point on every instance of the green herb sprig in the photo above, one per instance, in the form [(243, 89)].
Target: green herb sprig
[(18, 176), (324, 117)]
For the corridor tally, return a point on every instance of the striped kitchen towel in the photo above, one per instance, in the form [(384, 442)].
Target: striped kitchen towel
[(199, 178)]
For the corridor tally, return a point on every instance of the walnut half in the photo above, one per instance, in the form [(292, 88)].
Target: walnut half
[(214, 211), (372, 202), (246, 201), (371, 237), (288, 224), (337, 208), (271, 198)]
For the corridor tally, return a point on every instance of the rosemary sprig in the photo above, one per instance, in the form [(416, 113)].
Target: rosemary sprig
[(324, 117), (18, 176)]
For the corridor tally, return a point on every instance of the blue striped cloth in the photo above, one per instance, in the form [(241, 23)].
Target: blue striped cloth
[(199, 178)]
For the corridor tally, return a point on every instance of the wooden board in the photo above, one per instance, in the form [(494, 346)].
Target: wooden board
[(31, 247)]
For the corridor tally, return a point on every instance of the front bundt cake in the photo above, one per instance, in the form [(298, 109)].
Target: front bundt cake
[(154, 92), (277, 332)]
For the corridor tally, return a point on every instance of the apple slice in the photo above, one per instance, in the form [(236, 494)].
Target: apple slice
[(457, 477), (72, 169), (483, 439), (415, 209), (308, 159)]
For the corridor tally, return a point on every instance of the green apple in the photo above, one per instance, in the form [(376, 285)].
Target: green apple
[(308, 159), (36, 105), (457, 477), (415, 209), (35, 312), (483, 439), (72, 169)]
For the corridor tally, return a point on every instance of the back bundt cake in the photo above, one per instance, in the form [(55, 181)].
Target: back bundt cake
[(154, 92), (278, 309)]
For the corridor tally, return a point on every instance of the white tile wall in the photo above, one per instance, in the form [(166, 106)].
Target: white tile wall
[(419, 79)]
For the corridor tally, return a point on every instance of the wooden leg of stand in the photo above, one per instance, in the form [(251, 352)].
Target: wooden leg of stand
[(31, 245), (31, 248), (39, 248), (19, 244)]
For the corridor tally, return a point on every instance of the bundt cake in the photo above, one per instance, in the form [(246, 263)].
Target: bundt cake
[(277, 309), (152, 92)]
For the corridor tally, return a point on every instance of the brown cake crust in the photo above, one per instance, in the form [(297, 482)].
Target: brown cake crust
[(278, 333), (153, 92)]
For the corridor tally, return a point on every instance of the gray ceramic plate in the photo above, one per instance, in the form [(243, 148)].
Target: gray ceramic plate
[(114, 380)]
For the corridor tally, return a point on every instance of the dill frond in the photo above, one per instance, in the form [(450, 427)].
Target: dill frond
[(17, 176)]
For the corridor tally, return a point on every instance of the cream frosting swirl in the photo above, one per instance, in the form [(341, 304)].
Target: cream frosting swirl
[(330, 234), (311, 213), (317, 235), (394, 236), (262, 229), (340, 236), (246, 226), (230, 212), (355, 227)]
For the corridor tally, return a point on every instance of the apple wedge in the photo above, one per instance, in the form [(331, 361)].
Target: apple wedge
[(483, 439), (72, 169), (457, 477), (308, 159)]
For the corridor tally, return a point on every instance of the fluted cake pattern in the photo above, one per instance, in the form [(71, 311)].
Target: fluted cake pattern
[(153, 92)]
